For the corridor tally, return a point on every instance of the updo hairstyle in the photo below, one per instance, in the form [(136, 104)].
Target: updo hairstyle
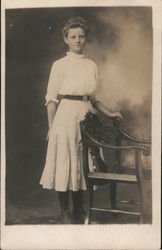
[(75, 22)]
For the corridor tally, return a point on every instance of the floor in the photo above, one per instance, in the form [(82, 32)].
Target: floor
[(43, 207)]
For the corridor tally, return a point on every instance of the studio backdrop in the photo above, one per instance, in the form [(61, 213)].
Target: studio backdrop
[(119, 41)]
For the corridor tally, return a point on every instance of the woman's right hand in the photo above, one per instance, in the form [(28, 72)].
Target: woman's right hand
[(51, 110), (48, 134)]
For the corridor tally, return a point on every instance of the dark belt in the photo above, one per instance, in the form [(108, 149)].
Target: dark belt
[(83, 98)]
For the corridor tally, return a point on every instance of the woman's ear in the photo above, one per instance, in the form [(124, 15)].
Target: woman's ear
[(66, 40)]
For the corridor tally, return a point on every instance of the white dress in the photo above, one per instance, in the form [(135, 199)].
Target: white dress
[(71, 75)]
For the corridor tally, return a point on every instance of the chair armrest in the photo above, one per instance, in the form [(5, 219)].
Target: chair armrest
[(130, 138), (144, 149)]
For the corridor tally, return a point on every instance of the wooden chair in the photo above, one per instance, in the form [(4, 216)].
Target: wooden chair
[(96, 138)]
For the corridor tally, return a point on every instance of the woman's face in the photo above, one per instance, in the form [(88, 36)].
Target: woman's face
[(75, 39)]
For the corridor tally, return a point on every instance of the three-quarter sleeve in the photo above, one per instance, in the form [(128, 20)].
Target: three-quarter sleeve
[(53, 84), (95, 93)]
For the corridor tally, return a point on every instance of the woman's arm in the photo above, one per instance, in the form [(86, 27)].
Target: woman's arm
[(51, 110), (102, 109)]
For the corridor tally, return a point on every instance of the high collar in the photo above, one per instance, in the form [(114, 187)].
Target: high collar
[(69, 53)]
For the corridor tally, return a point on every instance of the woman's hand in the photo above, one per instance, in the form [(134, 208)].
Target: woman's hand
[(48, 135), (103, 110), (117, 115), (51, 110)]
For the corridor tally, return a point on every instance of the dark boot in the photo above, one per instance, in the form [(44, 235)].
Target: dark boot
[(78, 211), (64, 204)]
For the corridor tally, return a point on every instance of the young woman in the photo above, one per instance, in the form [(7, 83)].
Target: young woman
[(75, 79)]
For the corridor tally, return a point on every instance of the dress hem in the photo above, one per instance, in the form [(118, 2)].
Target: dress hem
[(63, 190)]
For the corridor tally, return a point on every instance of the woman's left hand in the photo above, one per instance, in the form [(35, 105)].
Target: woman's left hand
[(103, 110), (117, 115)]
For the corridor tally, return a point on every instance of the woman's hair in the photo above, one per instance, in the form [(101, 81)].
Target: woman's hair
[(75, 22)]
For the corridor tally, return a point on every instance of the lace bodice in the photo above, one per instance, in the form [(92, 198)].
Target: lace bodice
[(72, 75)]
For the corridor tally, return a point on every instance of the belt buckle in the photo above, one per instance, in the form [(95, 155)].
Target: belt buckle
[(85, 98)]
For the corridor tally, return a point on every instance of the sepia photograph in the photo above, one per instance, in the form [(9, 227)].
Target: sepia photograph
[(78, 127)]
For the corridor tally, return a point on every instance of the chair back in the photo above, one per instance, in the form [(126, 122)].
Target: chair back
[(105, 138)]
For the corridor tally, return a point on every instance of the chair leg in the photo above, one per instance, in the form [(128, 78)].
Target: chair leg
[(142, 216), (141, 219), (89, 204), (113, 195), (141, 182)]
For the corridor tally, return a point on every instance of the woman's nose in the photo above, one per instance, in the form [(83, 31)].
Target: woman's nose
[(77, 39)]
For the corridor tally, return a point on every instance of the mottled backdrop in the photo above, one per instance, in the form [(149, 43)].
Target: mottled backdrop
[(120, 42)]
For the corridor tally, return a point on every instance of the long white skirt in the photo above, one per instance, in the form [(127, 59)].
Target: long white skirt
[(64, 160)]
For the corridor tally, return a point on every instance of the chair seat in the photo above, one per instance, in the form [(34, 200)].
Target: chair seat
[(112, 177), (109, 145)]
